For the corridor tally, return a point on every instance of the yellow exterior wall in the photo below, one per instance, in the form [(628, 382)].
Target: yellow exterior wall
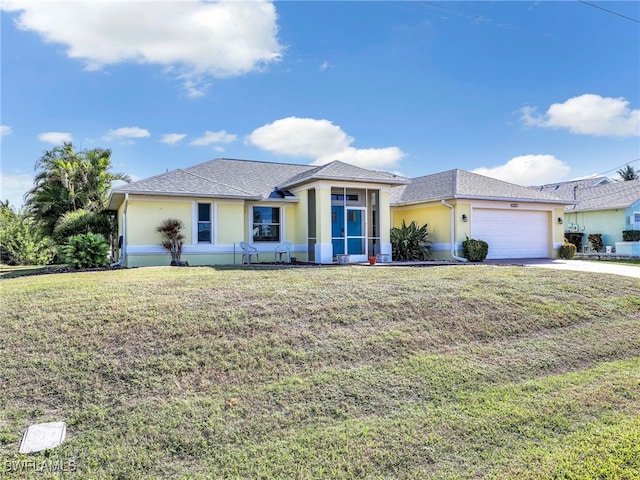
[(143, 216), (299, 230), (323, 215), (231, 225), (290, 222), (385, 217), (436, 215)]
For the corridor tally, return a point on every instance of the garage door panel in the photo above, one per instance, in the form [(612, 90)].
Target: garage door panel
[(512, 234)]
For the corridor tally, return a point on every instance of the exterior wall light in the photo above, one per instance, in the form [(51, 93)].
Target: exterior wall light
[(560, 220), (465, 218)]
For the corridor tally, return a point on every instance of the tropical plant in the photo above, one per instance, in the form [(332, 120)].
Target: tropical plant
[(82, 221), (410, 242), (86, 250), (475, 250), (172, 238), (68, 181), (21, 241), (628, 173)]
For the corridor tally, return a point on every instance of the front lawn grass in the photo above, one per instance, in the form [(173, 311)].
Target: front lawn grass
[(346, 372), (624, 261)]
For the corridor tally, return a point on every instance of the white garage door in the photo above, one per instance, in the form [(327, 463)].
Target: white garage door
[(512, 233)]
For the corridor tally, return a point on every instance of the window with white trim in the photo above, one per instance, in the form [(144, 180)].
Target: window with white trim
[(204, 223), (636, 221), (266, 224)]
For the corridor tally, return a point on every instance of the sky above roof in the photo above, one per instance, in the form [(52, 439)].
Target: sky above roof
[(526, 92)]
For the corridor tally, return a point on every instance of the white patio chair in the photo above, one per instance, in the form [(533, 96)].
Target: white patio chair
[(247, 251), (282, 249)]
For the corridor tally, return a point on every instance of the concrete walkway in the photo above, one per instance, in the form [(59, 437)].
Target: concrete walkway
[(576, 265)]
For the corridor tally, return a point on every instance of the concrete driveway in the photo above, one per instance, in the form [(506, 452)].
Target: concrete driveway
[(576, 265)]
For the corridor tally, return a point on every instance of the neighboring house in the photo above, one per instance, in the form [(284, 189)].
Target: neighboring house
[(606, 208), (516, 222), (568, 190), (326, 211), (323, 210)]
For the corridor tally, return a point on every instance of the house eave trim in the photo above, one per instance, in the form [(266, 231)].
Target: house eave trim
[(192, 195)]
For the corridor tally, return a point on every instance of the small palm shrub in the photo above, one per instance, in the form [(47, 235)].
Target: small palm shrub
[(475, 250), (596, 241), (410, 242), (87, 250), (172, 238), (568, 250)]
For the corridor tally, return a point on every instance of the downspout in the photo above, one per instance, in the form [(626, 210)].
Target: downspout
[(120, 262), (453, 234)]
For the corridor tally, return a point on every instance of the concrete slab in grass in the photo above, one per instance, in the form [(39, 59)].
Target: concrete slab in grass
[(43, 436)]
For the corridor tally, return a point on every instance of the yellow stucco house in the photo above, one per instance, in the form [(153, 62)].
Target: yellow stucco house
[(326, 211)]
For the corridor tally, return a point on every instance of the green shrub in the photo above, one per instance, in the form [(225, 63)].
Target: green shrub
[(568, 250), (410, 242), (475, 250), (82, 221), (631, 235), (86, 250), (596, 241), (21, 241), (575, 238)]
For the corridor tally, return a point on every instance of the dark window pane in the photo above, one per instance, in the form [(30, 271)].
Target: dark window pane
[(275, 215), (204, 212)]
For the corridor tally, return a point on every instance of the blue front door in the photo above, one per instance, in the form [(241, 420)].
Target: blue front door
[(351, 219), (337, 230)]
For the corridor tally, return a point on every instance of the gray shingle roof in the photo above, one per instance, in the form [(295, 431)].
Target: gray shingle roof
[(607, 196), (248, 179), (338, 170), (462, 184)]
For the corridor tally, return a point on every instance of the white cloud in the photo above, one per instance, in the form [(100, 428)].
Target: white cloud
[(173, 138), (588, 115), (5, 130), (127, 133), (13, 187), (55, 138), (195, 39), (528, 170), (213, 137), (321, 141)]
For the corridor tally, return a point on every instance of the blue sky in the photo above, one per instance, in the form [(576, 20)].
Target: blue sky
[(528, 92)]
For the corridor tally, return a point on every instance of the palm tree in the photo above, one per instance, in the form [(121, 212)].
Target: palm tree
[(628, 173), (68, 181)]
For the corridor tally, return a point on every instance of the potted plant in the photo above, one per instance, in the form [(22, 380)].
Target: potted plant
[(372, 259)]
